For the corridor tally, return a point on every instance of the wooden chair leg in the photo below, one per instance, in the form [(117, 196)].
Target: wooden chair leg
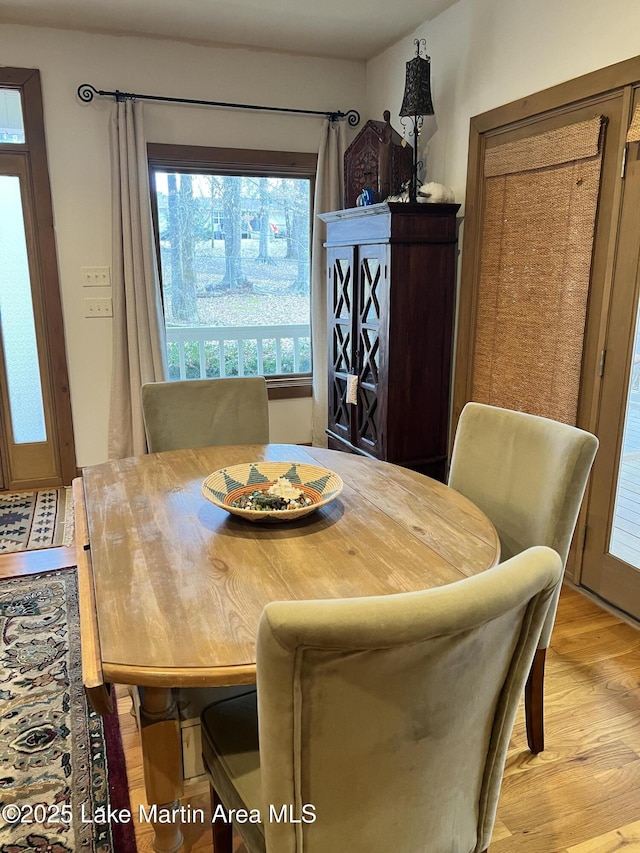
[(221, 830), (534, 703)]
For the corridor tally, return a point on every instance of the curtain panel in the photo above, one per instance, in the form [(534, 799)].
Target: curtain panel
[(329, 196), (139, 351)]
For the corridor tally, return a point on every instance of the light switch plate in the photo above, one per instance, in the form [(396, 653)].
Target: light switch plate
[(96, 276), (101, 307)]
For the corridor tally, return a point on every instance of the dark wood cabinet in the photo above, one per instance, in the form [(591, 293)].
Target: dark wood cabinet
[(391, 285)]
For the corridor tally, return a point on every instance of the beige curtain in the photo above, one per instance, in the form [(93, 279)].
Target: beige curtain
[(329, 196), (139, 352)]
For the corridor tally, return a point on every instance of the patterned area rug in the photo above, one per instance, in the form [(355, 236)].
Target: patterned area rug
[(31, 520), (61, 765)]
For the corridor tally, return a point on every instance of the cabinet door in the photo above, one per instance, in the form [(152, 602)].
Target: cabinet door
[(341, 338), (369, 343)]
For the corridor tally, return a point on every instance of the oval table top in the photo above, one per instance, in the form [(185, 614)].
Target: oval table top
[(180, 583)]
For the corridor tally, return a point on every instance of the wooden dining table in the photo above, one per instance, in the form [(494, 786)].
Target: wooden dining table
[(172, 587)]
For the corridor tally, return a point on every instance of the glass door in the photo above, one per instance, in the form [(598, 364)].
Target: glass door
[(624, 543), (30, 453), (36, 434)]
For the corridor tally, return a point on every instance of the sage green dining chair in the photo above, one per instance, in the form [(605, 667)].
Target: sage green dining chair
[(528, 475), (204, 412), (379, 723)]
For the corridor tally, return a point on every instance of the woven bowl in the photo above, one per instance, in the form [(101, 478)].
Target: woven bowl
[(228, 484)]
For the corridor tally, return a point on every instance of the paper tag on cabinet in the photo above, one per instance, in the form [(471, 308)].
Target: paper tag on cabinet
[(352, 389)]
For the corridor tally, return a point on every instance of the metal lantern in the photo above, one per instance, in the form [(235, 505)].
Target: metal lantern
[(417, 88), (416, 104)]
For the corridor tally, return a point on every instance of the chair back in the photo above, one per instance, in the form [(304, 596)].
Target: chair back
[(204, 412), (391, 715), (527, 474)]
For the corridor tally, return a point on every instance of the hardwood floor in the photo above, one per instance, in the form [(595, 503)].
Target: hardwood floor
[(31, 562), (581, 795)]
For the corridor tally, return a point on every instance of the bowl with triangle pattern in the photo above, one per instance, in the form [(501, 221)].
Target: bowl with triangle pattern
[(272, 492)]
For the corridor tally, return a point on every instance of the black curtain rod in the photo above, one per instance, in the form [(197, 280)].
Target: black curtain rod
[(87, 92)]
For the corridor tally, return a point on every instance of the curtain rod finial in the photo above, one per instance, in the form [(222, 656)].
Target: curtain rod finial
[(352, 117), (86, 92)]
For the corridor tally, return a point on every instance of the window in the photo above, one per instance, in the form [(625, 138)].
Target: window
[(11, 118), (233, 234)]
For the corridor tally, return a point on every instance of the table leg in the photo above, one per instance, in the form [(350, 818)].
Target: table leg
[(162, 763)]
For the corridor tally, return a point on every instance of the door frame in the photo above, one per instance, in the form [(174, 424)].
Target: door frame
[(606, 575), (521, 116), (46, 281)]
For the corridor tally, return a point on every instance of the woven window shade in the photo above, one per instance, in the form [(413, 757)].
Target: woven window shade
[(634, 129), (540, 203)]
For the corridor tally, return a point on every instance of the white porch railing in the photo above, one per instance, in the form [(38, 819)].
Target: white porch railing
[(220, 336)]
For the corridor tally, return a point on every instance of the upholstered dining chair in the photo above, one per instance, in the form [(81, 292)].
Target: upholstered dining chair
[(379, 723), (528, 474), (202, 412)]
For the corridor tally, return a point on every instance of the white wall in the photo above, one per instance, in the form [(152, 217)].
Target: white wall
[(77, 143), (486, 53)]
